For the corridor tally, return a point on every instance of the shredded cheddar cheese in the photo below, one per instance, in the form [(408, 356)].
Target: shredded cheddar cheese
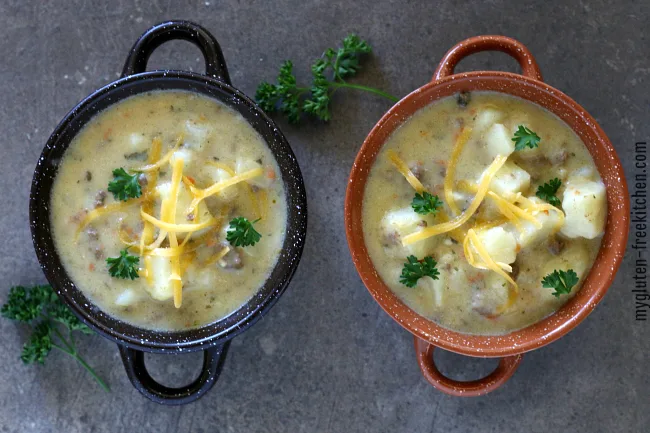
[(162, 161), (177, 283), (175, 228), (401, 166), (201, 194), (217, 257), (251, 194), (472, 240), (147, 206), (462, 139), (506, 210), (467, 186), (484, 225), (461, 219), (148, 270), (222, 166), (110, 208), (514, 210), (167, 252)]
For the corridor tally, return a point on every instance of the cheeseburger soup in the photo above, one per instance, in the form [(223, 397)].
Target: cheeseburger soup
[(168, 210), (484, 213)]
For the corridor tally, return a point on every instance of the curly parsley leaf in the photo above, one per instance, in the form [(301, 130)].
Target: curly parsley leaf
[(62, 314), (524, 137), (26, 304), (415, 269), (124, 186), (426, 203), (561, 281), (346, 63), (46, 315), (241, 232), (319, 103), (548, 190), (124, 266), (292, 100), (38, 346)]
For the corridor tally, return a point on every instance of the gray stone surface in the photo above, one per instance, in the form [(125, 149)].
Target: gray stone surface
[(326, 358)]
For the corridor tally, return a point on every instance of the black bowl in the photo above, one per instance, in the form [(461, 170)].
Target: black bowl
[(214, 338)]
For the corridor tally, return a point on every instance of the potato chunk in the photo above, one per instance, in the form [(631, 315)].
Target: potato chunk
[(161, 287), (243, 165), (435, 288), (532, 234), (485, 118), (218, 175), (585, 206), (500, 244), (487, 300), (197, 134), (399, 223), (188, 158), (498, 141), (129, 297), (137, 142), (183, 204), (510, 179)]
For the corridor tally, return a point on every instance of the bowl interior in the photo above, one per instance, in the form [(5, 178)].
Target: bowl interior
[(111, 327), (607, 261)]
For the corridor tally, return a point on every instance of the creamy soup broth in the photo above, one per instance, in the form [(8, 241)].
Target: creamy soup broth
[(216, 143), (465, 298)]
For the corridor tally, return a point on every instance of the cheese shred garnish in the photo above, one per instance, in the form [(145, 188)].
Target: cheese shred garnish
[(401, 166), (175, 228), (162, 161), (462, 139), (147, 232), (170, 217), (472, 240), (201, 194), (513, 210), (461, 219)]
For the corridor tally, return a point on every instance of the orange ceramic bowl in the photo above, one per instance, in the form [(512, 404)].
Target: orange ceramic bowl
[(509, 347)]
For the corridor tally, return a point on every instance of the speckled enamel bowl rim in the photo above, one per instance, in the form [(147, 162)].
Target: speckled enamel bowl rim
[(604, 268)]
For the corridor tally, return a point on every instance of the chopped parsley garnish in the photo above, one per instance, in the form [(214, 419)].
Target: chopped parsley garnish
[(524, 137), (561, 281), (415, 269), (548, 190), (125, 266), (241, 232), (124, 186), (426, 203)]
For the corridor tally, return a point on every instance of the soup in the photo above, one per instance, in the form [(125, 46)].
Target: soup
[(168, 210), (483, 213)]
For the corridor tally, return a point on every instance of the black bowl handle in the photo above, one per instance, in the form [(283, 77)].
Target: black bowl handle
[(215, 64), (136, 370)]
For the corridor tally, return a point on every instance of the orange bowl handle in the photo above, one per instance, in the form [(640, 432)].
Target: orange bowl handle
[(473, 388), (477, 44)]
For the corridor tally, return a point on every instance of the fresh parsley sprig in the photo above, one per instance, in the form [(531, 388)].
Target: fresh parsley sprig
[(548, 190), (328, 74), (41, 309), (426, 203), (524, 137), (561, 281), (241, 232), (415, 269), (124, 185), (125, 266)]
